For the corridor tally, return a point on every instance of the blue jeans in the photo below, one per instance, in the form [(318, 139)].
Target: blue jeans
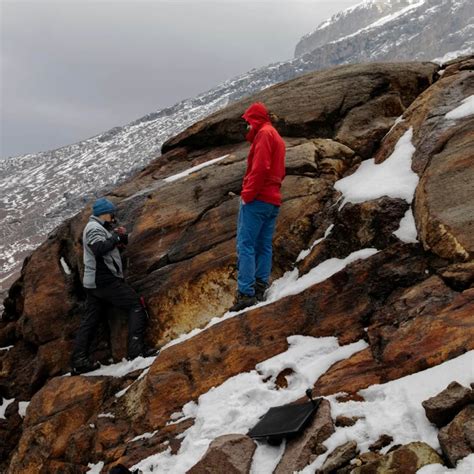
[(255, 229)]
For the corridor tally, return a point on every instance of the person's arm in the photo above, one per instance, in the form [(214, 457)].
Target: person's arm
[(260, 168), (99, 243)]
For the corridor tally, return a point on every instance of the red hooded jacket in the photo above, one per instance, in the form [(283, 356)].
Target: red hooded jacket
[(266, 159)]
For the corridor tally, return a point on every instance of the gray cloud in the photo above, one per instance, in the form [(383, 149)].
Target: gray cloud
[(72, 69)]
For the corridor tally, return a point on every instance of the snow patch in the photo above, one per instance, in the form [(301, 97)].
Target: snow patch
[(22, 406), (6, 348), (65, 266), (237, 404), (407, 232), (291, 284), (266, 458), (189, 171), (4, 406), (105, 415), (393, 178), (395, 408), (122, 368), (144, 436), (464, 110), (304, 253), (95, 468)]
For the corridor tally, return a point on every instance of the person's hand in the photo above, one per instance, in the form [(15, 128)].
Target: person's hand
[(121, 232), (243, 202)]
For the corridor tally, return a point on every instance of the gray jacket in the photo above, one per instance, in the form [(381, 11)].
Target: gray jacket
[(96, 232)]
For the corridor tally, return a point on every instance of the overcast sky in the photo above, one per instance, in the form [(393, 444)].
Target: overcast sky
[(72, 69)]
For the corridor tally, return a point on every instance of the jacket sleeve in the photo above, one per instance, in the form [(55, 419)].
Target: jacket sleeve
[(99, 243), (260, 168)]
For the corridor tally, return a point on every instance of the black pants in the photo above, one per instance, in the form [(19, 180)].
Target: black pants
[(117, 294)]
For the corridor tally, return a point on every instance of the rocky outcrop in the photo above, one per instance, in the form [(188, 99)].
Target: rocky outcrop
[(230, 453), (181, 257), (457, 438), (339, 458), (442, 408), (320, 105), (406, 459)]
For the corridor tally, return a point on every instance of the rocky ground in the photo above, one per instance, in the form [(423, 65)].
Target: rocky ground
[(410, 302)]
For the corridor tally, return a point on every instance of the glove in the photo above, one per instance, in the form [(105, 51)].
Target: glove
[(122, 236)]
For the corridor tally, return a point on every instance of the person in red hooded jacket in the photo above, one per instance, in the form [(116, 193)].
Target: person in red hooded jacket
[(260, 204)]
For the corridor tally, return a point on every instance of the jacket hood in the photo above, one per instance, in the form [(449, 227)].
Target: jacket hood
[(256, 115)]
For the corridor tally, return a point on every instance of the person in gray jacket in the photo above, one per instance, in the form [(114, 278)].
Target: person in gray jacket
[(104, 284)]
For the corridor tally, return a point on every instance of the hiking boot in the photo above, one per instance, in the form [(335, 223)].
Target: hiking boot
[(243, 301), (260, 289), (144, 352), (82, 365)]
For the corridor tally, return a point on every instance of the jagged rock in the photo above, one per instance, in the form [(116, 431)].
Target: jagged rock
[(281, 380), (456, 439), (406, 459), (166, 438), (345, 421), (55, 413), (459, 275), (442, 408), (230, 453), (443, 206), (10, 429), (301, 451), (357, 226), (392, 345), (341, 456), (384, 440), (366, 458)]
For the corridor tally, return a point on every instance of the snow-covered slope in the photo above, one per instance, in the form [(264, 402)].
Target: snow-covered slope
[(379, 30), (349, 21), (38, 191)]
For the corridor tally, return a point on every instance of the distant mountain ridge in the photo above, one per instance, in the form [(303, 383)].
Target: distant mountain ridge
[(40, 190), (349, 21), (388, 30)]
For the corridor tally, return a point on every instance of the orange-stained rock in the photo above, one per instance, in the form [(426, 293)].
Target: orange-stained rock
[(63, 406), (337, 307), (408, 346)]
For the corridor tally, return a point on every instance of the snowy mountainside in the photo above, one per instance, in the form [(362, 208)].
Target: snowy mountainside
[(39, 191), (377, 30), (349, 21)]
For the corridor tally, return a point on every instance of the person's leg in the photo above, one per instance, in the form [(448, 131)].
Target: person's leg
[(122, 295), (250, 223), (89, 324), (264, 248)]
